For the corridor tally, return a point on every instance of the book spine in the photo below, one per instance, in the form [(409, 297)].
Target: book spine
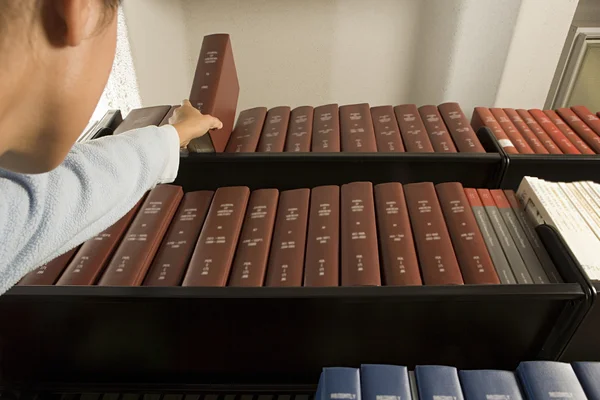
[(48, 273), (593, 197), (360, 258), (557, 136), (473, 257), (389, 382), (300, 130), (174, 255), (340, 383), (515, 136), (398, 256), (322, 264), (539, 132), (412, 129), (272, 138), (286, 261), (214, 251), (439, 265), (436, 129), (490, 385), (132, 259), (464, 136), (250, 264), (582, 129), (578, 202), (534, 141), (326, 129), (386, 129), (578, 142), (483, 117), (438, 382), (549, 380), (356, 128), (246, 134), (587, 117), (588, 374)]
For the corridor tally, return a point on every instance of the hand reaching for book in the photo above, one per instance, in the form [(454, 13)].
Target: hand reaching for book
[(191, 123)]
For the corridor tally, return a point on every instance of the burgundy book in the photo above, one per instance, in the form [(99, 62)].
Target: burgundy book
[(250, 264), (588, 117), (286, 261), (539, 132), (473, 257), (412, 129), (513, 134), (48, 273), (557, 136), (174, 254), (356, 127), (399, 262), (300, 130), (132, 259), (434, 247), (142, 117), (215, 91), (548, 145), (387, 134), (436, 129), (326, 129), (582, 129), (464, 136), (169, 114), (92, 257), (322, 266), (213, 255), (578, 142), (482, 116), (272, 138), (360, 255), (246, 134)]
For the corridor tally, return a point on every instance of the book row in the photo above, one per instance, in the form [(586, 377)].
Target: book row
[(356, 235), (533, 380)]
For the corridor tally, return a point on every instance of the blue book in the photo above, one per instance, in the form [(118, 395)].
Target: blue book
[(589, 377), (490, 385), (549, 380), (437, 382), (384, 382), (339, 384)]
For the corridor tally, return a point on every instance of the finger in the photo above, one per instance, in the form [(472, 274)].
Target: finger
[(186, 102), (215, 123)]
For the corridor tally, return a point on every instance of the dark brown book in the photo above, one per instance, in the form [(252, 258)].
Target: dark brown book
[(356, 127), (48, 273), (387, 133), (170, 113), (434, 247), (533, 139), (398, 255), (482, 116), (272, 138), (360, 256), (300, 130), (588, 117), (134, 255), (412, 129), (286, 260), (93, 256), (142, 117), (578, 142), (539, 131), (215, 91), (513, 134), (326, 129), (213, 255), (582, 129), (246, 134), (174, 254), (436, 129), (250, 264), (473, 257), (322, 265), (464, 136)]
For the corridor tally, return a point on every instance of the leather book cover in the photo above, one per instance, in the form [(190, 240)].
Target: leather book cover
[(472, 254), (464, 136), (322, 264), (48, 273), (399, 263), (539, 132), (578, 142), (272, 138), (250, 263), (557, 136), (360, 255), (548, 146), (213, 255), (387, 133), (436, 129), (326, 129), (215, 91), (142, 117), (286, 260), (300, 127), (93, 256), (379, 381), (482, 116), (134, 255), (588, 117), (356, 127), (434, 247), (169, 114), (490, 384), (172, 258), (412, 129), (245, 136), (548, 380), (437, 382), (520, 141), (582, 129)]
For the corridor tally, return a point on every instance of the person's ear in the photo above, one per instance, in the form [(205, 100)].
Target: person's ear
[(67, 22)]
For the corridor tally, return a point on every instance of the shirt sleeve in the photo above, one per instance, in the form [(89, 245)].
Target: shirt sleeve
[(43, 216)]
